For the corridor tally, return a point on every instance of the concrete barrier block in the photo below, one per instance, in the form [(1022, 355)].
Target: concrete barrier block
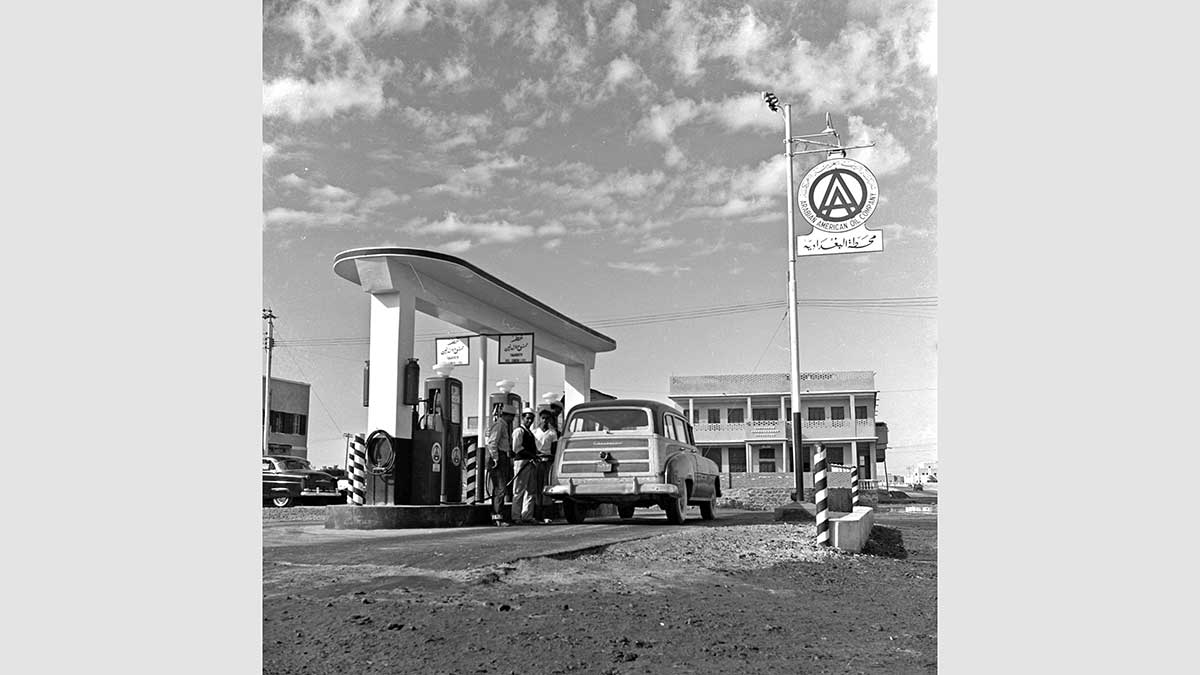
[(851, 531)]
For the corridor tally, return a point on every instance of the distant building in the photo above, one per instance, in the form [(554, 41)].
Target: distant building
[(743, 422), (925, 472), (289, 418)]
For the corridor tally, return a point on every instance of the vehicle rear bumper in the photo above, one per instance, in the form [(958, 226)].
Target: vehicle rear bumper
[(320, 493), (598, 487)]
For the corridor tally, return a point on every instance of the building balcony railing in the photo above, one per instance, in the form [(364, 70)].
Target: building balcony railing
[(760, 430), (709, 432)]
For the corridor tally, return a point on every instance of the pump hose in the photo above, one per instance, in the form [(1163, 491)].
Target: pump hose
[(384, 464)]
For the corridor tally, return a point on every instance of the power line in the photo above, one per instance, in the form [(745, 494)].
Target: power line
[(909, 307), (769, 342)]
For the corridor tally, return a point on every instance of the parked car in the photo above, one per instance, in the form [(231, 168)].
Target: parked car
[(280, 490), (313, 483), (632, 453)]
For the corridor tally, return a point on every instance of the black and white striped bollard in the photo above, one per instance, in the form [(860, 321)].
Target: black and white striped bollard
[(854, 486), (358, 472), (821, 496)]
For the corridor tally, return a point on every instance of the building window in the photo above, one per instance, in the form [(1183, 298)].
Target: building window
[(288, 423), (736, 415), (737, 460), (695, 416), (833, 456), (816, 414), (714, 415), (837, 412), (860, 412), (473, 422), (764, 414)]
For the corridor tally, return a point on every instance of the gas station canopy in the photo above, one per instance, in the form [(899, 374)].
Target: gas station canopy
[(460, 293)]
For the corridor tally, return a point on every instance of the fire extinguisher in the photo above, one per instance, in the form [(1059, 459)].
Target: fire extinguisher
[(412, 382)]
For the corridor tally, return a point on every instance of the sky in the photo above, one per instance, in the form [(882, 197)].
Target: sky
[(615, 161)]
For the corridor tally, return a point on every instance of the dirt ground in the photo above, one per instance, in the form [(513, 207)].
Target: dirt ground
[(752, 598)]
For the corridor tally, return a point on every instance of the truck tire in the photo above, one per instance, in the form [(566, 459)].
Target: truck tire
[(708, 509), (572, 512), (284, 501), (625, 511), (676, 508)]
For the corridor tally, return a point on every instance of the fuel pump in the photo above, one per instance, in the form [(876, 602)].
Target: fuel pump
[(388, 459), (437, 457)]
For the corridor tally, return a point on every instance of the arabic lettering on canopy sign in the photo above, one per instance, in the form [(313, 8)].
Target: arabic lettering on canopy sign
[(453, 350), (516, 348)]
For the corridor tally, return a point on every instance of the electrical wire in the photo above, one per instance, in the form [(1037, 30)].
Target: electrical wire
[(907, 307)]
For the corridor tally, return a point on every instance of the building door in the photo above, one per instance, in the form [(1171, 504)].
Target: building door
[(864, 464), (766, 460)]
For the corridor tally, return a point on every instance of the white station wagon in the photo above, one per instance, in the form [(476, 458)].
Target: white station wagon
[(631, 453)]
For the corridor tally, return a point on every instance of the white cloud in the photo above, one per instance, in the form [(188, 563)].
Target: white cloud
[(457, 246), (747, 110), (658, 244), (451, 72), (623, 24), (887, 156), (544, 25), (468, 181), (284, 217), (486, 231), (379, 198), (681, 25), (303, 101), (403, 16), (927, 45), (622, 69), (447, 129), (331, 198), (648, 267), (743, 38), (268, 151), (662, 120), (767, 179), (292, 181)]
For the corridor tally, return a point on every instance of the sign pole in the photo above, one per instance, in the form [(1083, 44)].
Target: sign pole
[(793, 320)]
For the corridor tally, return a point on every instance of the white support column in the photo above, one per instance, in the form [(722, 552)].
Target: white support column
[(533, 396), (750, 467), (392, 319), (692, 410), (872, 460), (483, 389), (577, 382), (853, 421)]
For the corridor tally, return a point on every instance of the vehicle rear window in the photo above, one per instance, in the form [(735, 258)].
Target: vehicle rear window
[(610, 419), (293, 465)]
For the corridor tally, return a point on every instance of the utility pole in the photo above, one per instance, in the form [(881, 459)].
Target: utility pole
[(268, 344), (772, 102)]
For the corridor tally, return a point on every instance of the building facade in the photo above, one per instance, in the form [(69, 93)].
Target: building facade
[(289, 418), (743, 422)]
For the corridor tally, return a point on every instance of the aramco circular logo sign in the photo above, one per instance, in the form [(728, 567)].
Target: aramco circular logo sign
[(838, 195)]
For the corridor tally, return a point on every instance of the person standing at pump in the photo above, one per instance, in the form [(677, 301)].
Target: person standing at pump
[(546, 435), (525, 467), (499, 459)]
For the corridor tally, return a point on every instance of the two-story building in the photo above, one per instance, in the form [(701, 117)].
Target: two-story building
[(289, 418), (743, 422)]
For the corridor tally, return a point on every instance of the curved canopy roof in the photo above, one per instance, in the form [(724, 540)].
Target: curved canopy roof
[(460, 293)]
